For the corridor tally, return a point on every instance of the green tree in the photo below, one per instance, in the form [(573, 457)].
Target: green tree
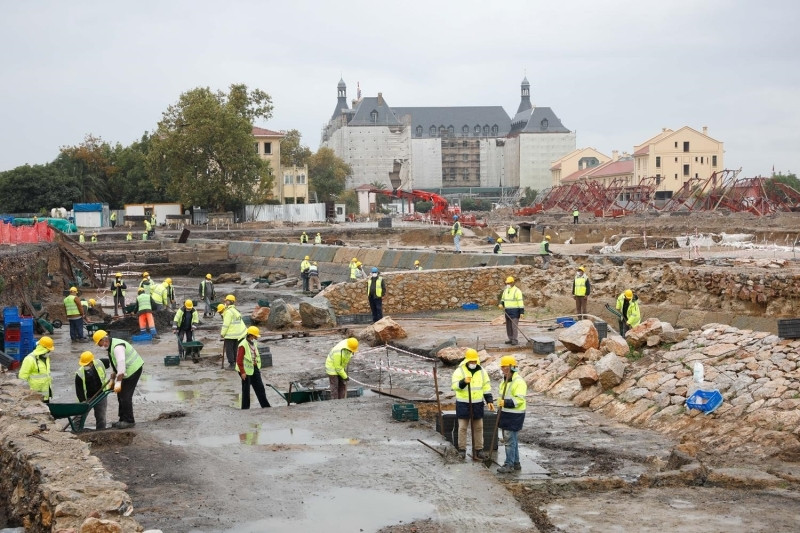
[(33, 189), (423, 207), (475, 204), (528, 197), (350, 200), (202, 152), (786, 179), (89, 164), (292, 152), (327, 174), (132, 183)]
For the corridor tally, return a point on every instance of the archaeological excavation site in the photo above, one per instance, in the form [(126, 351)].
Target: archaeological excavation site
[(686, 419)]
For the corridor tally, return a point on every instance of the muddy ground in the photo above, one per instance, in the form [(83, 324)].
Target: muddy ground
[(195, 462)]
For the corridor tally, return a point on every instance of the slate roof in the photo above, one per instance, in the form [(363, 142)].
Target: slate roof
[(364, 109), (458, 117), (544, 120)]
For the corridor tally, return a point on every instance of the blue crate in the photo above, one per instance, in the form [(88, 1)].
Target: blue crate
[(705, 400), (13, 351), (141, 337), (10, 314), (565, 321), (471, 306)]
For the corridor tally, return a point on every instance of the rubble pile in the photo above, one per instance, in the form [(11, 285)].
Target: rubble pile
[(756, 372)]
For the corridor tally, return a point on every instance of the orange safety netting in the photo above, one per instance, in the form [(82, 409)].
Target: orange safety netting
[(10, 234)]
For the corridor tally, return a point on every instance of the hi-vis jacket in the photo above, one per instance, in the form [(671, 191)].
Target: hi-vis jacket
[(232, 324), (247, 362), (513, 394), (634, 315), (338, 359), (480, 387), (35, 370)]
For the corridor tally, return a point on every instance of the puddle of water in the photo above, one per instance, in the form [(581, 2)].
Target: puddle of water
[(287, 436), (171, 396), (354, 509)]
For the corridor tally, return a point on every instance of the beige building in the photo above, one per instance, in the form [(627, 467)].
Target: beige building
[(675, 157), (290, 185), (580, 159), (616, 171)]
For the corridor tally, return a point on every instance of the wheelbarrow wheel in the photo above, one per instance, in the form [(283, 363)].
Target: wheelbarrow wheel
[(57, 323)]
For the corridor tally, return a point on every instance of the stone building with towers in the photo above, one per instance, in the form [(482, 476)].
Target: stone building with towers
[(477, 147)]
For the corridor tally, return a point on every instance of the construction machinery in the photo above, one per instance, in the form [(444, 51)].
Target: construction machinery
[(441, 211)]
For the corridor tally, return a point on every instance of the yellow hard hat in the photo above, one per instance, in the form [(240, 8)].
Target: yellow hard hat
[(352, 344), (168, 281), (221, 308), (547, 237), (231, 298), (86, 358), (118, 274), (46, 343), (354, 259), (509, 279), (499, 239), (628, 294), (359, 263), (145, 274), (314, 263), (471, 355), (92, 301), (307, 258), (81, 232), (141, 290), (416, 262), (99, 335), (252, 330), (317, 233), (208, 276), (508, 360), (73, 289), (582, 269), (188, 304)]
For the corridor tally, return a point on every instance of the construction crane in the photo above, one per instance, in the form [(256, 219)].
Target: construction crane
[(441, 211)]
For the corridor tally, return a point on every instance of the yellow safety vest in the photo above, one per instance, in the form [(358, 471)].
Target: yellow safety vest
[(511, 230), (144, 302), (338, 359), (71, 307), (36, 374), (456, 229), (304, 265), (248, 358), (159, 293), (101, 373), (634, 314), (479, 386), (179, 316), (516, 389), (81, 239), (353, 271), (512, 298), (542, 249), (232, 324), (580, 286), (378, 287), (575, 213), (133, 361), (129, 237), (116, 291)]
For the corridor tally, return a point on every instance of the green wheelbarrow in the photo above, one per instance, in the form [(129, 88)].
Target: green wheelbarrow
[(192, 349), (300, 394), (76, 413)]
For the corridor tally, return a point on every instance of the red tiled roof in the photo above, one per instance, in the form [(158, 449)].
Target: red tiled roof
[(557, 166), (365, 187), (578, 174), (612, 168), (644, 150), (262, 132)]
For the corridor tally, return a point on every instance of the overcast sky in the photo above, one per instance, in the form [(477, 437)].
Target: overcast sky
[(614, 71)]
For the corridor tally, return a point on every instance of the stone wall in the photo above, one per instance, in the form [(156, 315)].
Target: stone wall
[(25, 268), (49, 481)]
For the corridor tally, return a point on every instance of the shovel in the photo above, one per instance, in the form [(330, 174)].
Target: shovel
[(530, 342), (488, 461)]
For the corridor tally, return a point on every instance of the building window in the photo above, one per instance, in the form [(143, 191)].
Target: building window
[(465, 175), (301, 178), (713, 160), (544, 124), (465, 157), (477, 130), (442, 131), (486, 130), (676, 144), (658, 161), (287, 179), (676, 159), (465, 129), (452, 157), (701, 159), (464, 144), (685, 146), (451, 130), (495, 129), (268, 148), (685, 170), (256, 147), (433, 131), (373, 116), (419, 131)]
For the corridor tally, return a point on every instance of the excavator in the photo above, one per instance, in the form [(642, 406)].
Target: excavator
[(440, 213)]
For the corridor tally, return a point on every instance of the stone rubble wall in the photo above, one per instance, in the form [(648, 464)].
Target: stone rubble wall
[(757, 373), (49, 481), (26, 270)]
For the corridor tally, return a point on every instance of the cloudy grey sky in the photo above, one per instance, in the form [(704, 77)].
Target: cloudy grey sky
[(614, 71)]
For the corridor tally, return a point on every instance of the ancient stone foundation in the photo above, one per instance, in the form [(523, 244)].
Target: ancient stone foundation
[(49, 481)]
